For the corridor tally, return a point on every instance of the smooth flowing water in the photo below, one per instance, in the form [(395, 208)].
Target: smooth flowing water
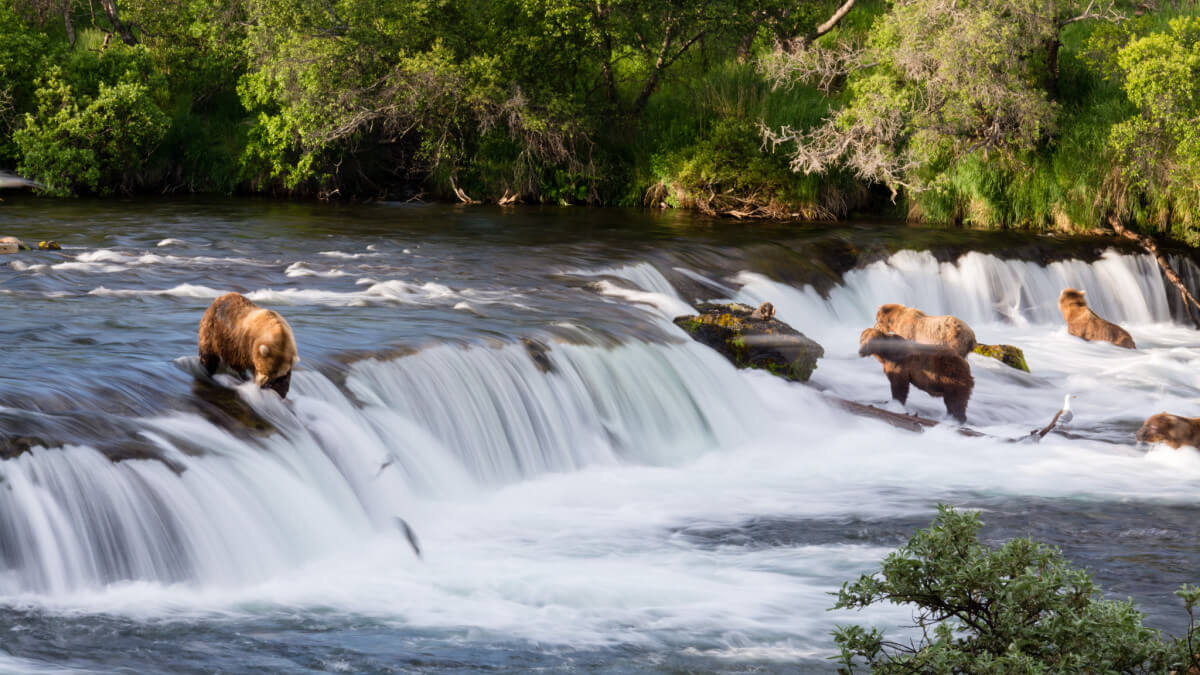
[(591, 489)]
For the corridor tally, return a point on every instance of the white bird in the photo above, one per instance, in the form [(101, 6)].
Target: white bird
[(1065, 415), (1061, 418)]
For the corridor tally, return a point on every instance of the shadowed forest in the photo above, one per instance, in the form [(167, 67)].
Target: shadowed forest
[(1046, 114)]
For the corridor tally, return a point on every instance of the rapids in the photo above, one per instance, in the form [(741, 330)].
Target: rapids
[(617, 498)]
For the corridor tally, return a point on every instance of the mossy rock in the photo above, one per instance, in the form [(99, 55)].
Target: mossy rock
[(753, 342), (1006, 354)]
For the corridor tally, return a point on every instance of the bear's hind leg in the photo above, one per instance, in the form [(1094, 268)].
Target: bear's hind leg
[(899, 382), (956, 405)]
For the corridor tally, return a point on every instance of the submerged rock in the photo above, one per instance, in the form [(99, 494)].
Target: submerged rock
[(1006, 354), (753, 338)]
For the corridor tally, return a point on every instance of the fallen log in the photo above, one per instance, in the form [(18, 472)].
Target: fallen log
[(914, 423)]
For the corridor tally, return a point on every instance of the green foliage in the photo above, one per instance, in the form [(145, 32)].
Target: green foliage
[(23, 49), (89, 136), (1020, 608), (1160, 145)]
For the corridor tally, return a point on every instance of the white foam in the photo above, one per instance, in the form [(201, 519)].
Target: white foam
[(303, 269), (181, 291)]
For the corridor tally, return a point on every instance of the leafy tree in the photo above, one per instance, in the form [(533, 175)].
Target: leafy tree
[(93, 128), (1159, 146), (934, 81), (1017, 609)]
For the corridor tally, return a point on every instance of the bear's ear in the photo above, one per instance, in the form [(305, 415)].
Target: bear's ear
[(264, 349)]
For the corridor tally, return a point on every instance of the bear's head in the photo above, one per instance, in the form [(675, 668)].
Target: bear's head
[(874, 342), (274, 351), (1165, 428), (1071, 298), (887, 315)]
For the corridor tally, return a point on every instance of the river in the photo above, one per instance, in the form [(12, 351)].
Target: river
[(625, 502)]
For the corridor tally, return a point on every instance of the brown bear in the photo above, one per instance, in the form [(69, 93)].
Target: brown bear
[(913, 324), (1173, 430), (1083, 322), (247, 337), (934, 369)]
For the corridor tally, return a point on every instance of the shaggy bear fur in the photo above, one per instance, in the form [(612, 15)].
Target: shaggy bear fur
[(1173, 430), (913, 324), (246, 337), (934, 369), (1083, 322)]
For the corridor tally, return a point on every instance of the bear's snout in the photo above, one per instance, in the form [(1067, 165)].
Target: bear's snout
[(281, 384)]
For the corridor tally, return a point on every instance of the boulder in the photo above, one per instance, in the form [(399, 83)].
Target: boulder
[(1006, 354), (754, 338)]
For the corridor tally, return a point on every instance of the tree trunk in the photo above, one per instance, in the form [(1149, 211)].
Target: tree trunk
[(1052, 68), (606, 71), (68, 23), (830, 23), (1190, 304), (110, 8)]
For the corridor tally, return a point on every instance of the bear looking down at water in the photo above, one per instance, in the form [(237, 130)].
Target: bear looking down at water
[(913, 324), (247, 337), (934, 369), (1173, 430), (1084, 323)]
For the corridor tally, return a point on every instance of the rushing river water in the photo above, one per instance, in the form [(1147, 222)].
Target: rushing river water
[(625, 501)]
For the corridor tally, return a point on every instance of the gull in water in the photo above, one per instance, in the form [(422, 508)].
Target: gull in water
[(1061, 418)]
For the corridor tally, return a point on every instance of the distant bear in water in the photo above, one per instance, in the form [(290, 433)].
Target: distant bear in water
[(934, 369), (1173, 430), (247, 337), (1083, 322), (913, 324)]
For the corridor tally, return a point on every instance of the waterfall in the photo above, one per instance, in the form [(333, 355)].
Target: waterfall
[(342, 465), (977, 287)]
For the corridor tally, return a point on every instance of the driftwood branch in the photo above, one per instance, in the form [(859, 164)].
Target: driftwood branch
[(458, 192), (830, 23), (1190, 303), (913, 423)]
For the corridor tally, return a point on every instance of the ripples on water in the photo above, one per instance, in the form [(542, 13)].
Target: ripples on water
[(617, 498)]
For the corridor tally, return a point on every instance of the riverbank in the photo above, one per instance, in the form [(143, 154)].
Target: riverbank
[(667, 107)]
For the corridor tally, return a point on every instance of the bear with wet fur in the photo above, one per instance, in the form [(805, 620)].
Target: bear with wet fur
[(913, 324), (246, 337), (1174, 430), (1084, 323), (934, 369)]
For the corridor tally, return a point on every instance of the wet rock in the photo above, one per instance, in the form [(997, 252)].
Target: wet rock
[(753, 338), (537, 351), (1006, 354)]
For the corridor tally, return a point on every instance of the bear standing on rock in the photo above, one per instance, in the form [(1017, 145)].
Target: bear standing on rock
[(913, 324), (934, 369), (1173, 430), (247, 337), (1084, 323)]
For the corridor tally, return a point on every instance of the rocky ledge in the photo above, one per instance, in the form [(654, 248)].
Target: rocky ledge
[(754, 338)]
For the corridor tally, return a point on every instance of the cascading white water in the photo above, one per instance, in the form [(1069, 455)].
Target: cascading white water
[(575, 506), (444, 421), (979, 288)]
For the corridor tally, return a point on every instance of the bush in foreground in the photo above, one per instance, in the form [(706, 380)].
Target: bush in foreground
[(1021, 608)]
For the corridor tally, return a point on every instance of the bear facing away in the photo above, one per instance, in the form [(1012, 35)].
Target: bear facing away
[(1084, 323), (1173, 430), (247, 337), (934, 369), (913, 324)]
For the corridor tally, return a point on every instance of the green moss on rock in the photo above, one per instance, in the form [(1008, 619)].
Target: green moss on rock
[(751, 342), (1006, 354)]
